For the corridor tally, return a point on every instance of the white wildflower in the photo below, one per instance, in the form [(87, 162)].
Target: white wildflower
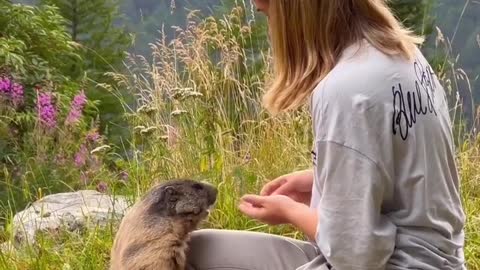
[(177, 112), (148, 130), (100, 149)]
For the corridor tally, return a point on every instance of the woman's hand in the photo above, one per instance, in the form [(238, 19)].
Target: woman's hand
[(280, 209), (297, 186), (273, 210)]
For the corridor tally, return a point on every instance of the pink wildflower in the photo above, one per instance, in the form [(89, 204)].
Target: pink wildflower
[(12, 91), (93, 136), (17, 94), (5, 85), (46, 110), (76, 108), (102, 187), (81, 156)]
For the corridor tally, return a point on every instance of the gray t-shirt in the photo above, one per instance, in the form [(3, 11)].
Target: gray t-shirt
[(386, 184)]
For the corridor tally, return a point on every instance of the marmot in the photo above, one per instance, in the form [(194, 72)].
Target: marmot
[(154, 233)]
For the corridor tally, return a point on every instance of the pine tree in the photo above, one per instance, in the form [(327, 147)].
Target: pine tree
[(96, 26), (415, 14)]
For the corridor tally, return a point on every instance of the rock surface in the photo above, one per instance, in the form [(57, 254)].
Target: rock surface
[(70, 211)]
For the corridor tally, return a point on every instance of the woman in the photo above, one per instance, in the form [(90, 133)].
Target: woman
[(384, 189)]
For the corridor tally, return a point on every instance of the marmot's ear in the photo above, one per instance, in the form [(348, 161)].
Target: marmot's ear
[(169, 190), (166, 194)]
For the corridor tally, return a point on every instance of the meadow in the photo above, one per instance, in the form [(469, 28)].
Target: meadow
[(197, 114)]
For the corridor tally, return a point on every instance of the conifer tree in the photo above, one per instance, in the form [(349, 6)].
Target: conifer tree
[(415, 14), (96, 26)]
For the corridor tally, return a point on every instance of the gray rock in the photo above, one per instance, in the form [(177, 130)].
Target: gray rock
[(70, 211)]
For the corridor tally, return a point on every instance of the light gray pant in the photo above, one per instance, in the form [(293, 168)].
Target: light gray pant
[(240, 250)]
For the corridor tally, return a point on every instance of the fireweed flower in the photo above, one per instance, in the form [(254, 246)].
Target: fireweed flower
[(12, 91), (93, 136), (46, 110), (5, 85), (81, 156), (17, 94), (102, 187), (76, 108)]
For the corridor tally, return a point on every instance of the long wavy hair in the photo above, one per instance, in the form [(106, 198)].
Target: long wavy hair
[(308, 37)]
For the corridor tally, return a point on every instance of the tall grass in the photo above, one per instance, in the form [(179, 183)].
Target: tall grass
[(198, 114)]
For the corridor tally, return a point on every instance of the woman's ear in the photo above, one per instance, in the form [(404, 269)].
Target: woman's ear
[(262, 5)]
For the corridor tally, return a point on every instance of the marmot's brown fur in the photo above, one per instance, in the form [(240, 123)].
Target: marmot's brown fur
[(154, 233)]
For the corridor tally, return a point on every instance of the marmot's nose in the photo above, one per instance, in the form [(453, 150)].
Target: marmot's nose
[(211, 191), (212, 195)]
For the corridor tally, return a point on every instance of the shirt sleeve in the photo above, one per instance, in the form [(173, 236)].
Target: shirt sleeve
[(352, 232)]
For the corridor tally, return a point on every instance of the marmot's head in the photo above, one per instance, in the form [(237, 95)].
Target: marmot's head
[(182, 200)]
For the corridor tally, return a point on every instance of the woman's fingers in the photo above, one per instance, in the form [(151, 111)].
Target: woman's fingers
[(254, 200), (252, 206), (251, 211), (270, 187), (284, 189)]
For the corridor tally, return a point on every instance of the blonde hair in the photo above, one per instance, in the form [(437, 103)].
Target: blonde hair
[(308, 36)]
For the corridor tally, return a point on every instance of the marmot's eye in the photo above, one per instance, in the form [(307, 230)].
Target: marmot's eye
[(197, 186)]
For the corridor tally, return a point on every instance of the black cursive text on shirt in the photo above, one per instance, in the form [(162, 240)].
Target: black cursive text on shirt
[(420, 101)]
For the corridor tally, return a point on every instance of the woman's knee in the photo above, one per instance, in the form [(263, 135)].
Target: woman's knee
[(224, 249), (202, 236), (209, 248)]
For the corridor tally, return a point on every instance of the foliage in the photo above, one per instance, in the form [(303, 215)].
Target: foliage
[(94, 24), (214, 71), (460, 27), (98, 27), (46, 142), (149, 17), (40, 104), (415, 14), (33, 43)]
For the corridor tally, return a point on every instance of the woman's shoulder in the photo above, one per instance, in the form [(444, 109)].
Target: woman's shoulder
[(365, 73)]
